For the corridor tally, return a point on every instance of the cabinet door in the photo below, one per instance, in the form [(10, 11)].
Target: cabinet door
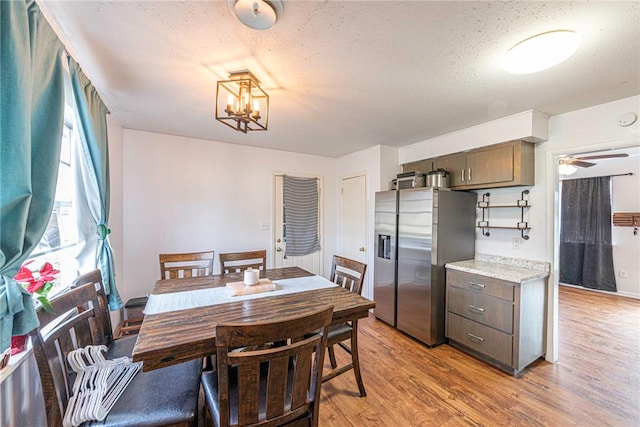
[(490, 166), (425, 165), (456, 165)]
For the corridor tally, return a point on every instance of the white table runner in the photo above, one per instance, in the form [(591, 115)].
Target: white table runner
[(203, 297)]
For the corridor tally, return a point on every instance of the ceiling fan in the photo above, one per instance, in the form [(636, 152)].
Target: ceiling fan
[(580, 161)]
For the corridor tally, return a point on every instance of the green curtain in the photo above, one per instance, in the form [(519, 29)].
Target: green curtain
[(31, 122), (92, 156)]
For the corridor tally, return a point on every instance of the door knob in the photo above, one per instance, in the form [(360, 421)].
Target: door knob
[(278, 249), (361, 248), (278, 240)]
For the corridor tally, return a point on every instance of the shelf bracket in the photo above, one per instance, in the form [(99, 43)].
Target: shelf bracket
[(521, 204), (485, 222)]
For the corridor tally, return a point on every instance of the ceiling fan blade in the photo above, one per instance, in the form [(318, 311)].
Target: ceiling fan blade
[(603, 156), (581, 163)]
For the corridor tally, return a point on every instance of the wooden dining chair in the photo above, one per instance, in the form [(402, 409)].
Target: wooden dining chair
[(268, 384), (163, 397), (239, 261), (133, 316), (349, 274), (191, 264), (172, 266)]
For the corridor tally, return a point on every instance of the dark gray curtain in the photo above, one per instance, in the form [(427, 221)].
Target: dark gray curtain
[(586, 256), (301, 215)]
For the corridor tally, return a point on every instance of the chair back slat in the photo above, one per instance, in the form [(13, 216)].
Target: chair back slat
[(185, 265), (233, 262), (78, 320), (348, 273), (101, 325), (276, 384), (301, 378)]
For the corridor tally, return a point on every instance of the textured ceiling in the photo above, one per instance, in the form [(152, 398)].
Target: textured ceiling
[(345, 75)]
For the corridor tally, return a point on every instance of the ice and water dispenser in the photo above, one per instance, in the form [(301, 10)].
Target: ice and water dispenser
[(384, 246)]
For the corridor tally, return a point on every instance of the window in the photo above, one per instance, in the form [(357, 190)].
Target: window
[(58, 244)]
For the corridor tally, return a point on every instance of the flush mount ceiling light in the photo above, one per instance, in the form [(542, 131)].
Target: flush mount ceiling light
[(540, 52), (256, 14), (241, 104)]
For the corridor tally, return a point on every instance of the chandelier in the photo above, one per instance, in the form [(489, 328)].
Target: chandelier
[(241, 104)]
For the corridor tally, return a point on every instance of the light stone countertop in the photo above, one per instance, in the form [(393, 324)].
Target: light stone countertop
[(503, 268)]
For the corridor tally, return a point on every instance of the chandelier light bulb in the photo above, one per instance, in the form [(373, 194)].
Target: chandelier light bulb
[(540, 52)]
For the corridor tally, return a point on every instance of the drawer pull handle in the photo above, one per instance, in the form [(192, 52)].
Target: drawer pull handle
[(476, 285), (475, 337), (474, 308)]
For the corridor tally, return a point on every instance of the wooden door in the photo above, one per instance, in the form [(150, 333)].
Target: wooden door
[(354, 218), (312, 262)]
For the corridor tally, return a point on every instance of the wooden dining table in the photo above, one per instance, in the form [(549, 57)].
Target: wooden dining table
[(174, 337)]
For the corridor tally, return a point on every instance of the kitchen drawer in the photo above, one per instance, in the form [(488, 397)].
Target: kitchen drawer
[(488, 310), (481, 284), (483, 339)]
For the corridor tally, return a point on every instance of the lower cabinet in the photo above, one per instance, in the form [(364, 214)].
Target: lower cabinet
[(501, 322)]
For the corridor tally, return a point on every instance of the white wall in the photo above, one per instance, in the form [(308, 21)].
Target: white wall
[(183, 194), (581, 131), (626, 245), (590, 129), (380, 165), (584, 130), (529, 125), (625, 197)]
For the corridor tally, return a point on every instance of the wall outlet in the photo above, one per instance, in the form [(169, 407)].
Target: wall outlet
[(516, 243), (622, 274), (264, 226)]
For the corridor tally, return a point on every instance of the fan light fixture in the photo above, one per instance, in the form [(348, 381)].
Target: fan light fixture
[(241, 104), (566, 169), (540, 52)]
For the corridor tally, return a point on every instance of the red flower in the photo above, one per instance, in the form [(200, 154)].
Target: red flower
[(47, 272), (24, 275), (36, 285)]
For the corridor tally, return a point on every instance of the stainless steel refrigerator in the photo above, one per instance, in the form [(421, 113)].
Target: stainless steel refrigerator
[(418, 231)]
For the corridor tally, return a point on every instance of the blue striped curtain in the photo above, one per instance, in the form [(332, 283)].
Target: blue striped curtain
[(301, 215), (31, 122)]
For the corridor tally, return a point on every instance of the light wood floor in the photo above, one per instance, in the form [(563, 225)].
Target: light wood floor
[(596, 381)]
